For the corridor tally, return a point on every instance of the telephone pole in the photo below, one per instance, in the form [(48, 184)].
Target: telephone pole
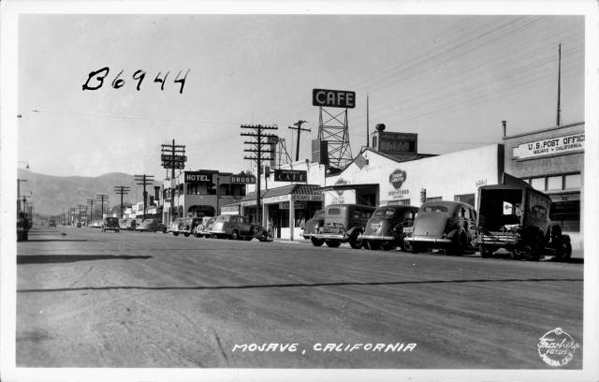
[(121, 190), (90, 202), (258, 149), (102, 198), (298, 127), (173, 157), (559, 87), (144, 180)]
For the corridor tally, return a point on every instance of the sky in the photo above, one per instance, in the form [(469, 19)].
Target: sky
[(451, 79)]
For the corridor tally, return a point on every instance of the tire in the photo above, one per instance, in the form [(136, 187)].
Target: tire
[(485, 252), (235, 235), (175, 233), (317, 242), (457, 248), (567, 251), (408, 246), (388, 246), (355, 241), (263, 236), (333, 243)]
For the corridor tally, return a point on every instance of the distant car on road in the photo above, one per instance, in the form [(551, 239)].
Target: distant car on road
[(127, 224), (150, 225), (95, 224), (111, 224), (237, 227), (52, 223)]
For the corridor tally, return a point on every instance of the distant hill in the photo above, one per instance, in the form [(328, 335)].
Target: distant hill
[(52, 195)]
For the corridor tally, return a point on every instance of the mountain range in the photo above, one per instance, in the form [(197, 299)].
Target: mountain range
[(52, 195)]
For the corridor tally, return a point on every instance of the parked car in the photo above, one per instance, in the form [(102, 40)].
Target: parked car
[(237, 227), (343, 223), (52, 223), (516, 218), (186, 226), (150, 225), (128, 224), (111, 224), (313, 224), (95, 224), (385, 229), (442, 225), (203, 229)]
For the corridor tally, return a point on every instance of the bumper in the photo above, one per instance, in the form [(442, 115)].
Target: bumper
[(379, 238), (427, 240), (501, 239), (331, 236)]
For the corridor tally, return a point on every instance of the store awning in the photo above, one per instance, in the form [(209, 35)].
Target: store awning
[(291, 189)]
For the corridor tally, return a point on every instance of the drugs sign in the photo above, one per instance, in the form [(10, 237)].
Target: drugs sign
[(334, 98)]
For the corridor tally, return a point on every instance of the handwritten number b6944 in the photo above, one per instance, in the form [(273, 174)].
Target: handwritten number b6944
[(95, 79)]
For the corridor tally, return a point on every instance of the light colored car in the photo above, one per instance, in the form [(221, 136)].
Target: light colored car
[(203, 229), (185, 226), (442, 225)]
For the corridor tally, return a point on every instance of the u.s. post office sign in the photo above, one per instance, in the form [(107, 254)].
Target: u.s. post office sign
[(552, 146), (333, 98)]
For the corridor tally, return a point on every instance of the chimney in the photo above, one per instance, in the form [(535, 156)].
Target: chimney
[(504, 123)]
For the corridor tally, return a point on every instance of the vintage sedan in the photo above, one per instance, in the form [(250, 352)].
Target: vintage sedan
[(442, 225), (313, 224), (203, 229), (111, 224), (237, 227), (150, 225), (185, 226), (385, 229), (343, 223)]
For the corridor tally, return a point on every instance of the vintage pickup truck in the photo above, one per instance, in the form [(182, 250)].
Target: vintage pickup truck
[(516, 218)]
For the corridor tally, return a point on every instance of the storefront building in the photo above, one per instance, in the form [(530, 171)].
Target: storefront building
[(201, 193), (375, 178), (552, 161)]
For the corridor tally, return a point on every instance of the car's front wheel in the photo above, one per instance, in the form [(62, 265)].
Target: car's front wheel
[(235, 235)]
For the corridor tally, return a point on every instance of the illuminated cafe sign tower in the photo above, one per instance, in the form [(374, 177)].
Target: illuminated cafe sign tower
[(332, 147)]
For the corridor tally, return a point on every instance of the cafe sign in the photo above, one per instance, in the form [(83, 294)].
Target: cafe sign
[(553, 146)]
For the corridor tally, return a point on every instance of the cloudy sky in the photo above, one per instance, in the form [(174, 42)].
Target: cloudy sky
[(451, 79)]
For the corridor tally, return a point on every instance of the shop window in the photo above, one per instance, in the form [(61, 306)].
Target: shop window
[(554, 183), (538, 183), (572, 181), (465, 198)]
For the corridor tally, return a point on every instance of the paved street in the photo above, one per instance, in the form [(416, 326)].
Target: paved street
[(128, 299)]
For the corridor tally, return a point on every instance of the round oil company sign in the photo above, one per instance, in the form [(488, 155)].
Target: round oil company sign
[(340, 182), (397, 178), (557, 347)]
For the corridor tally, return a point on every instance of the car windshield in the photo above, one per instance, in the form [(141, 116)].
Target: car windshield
[(224, 218), (385, 212)]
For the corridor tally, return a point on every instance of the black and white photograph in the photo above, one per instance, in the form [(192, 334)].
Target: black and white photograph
[(273, 191)]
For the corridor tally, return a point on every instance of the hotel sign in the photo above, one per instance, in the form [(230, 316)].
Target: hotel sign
[(552, 146)]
